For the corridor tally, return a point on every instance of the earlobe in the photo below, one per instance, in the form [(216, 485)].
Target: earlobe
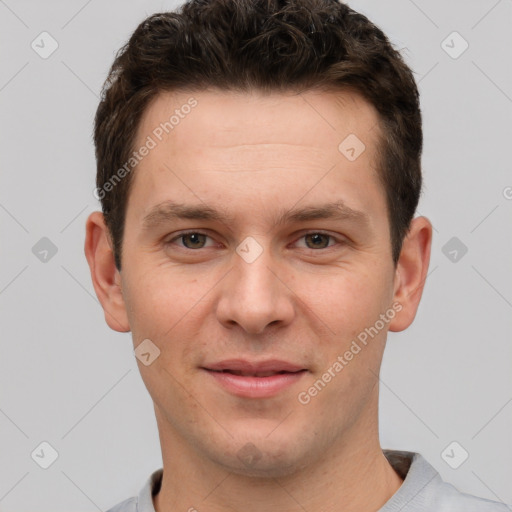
[(411, 272), (104, 274)]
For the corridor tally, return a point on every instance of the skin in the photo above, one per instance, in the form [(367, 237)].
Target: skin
[(254, 157)]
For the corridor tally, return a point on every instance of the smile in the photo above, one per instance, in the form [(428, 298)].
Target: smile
[(255, 380)]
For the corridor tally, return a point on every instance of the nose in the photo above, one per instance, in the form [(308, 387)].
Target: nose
[(254, 295)]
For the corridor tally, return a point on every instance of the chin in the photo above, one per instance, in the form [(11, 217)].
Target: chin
[(265, 458)]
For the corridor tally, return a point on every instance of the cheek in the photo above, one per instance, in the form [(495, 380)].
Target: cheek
[(157, 298), (351, 307), (171, 311), (346, 302)]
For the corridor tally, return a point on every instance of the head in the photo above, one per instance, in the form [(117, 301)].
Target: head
[(285, 139)]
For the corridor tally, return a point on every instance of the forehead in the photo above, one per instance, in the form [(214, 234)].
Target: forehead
[(226, 118), (230, 143)]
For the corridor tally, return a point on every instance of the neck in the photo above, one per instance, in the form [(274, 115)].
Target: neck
[(353, 475)]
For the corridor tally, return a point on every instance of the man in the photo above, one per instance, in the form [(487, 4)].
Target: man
[(259, 171)]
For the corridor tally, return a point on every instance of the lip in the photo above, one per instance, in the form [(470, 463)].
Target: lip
[(255, 379)]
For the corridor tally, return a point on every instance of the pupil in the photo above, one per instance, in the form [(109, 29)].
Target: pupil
[(194, 238), (317, 239)]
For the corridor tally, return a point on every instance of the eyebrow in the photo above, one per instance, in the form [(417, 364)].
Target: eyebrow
[(171, 210)]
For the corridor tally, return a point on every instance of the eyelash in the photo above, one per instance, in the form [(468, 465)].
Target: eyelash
[(195, 232)]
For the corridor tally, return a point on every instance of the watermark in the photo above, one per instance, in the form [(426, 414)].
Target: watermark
[(44, 455), (454, 249), (146, 352), (249, 454), (150, 143), (44, 250), (351, 147), (44, 45), (249, 249), (454, 45), (455, 455), (304, 397)]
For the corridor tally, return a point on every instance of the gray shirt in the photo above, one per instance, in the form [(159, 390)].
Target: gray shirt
[(422, 490)]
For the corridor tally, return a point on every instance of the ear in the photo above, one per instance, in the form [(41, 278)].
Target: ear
[(105, 276), (411, 272)]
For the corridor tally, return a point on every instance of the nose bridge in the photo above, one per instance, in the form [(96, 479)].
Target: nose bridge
[(254, 278), (253, 296)]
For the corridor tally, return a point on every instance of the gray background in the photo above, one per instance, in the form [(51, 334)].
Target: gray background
[(65, 378)]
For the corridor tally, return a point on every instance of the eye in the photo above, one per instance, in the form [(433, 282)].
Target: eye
[(191, 240), (194, 240), (317, 240)]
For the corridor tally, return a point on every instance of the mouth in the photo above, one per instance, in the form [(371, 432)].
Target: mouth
[(255, 379)]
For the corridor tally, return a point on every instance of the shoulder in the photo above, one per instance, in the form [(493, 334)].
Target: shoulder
[(129, 505), (423, 489), (144, 501), (451, 499)]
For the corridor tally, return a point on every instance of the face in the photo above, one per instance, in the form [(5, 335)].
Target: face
[(257, 260)]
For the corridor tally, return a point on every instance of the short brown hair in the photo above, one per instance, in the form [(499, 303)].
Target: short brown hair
[(268, 45)]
